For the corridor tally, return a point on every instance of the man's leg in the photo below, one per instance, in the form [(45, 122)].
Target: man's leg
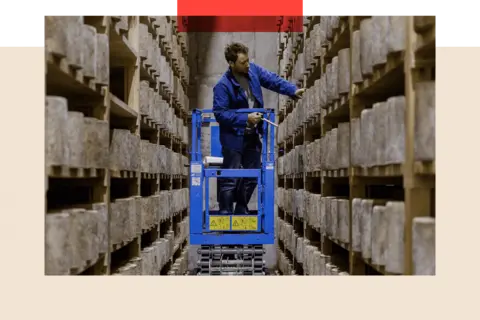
[(251, 159), (227, 186)]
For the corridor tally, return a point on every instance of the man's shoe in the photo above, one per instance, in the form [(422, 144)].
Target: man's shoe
[(241, 209)]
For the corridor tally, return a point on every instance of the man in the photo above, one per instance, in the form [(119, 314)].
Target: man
[(240, 88)]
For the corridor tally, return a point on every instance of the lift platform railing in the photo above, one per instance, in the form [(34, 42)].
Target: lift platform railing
[(205, 224), (198, 119)]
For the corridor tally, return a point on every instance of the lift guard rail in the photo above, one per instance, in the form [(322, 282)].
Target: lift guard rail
[(207, 227)]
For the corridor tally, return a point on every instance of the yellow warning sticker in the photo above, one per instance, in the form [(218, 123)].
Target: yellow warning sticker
[(245, 223), (218, 223)]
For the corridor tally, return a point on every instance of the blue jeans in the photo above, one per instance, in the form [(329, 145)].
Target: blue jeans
[(239, 190)]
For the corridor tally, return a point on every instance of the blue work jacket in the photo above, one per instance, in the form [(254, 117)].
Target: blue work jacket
[(228, 96)]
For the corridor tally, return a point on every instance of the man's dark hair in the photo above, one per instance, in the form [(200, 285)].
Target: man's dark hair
[(232, 51)]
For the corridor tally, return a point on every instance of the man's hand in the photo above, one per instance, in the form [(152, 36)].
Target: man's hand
[(254, 118), (299, 93)]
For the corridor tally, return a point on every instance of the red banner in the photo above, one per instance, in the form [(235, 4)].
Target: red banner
[(240, 8)]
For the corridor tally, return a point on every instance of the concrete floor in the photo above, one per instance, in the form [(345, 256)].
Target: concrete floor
[(207, 63)]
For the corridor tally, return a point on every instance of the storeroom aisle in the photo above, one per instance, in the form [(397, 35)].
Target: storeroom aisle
[(355, 175)]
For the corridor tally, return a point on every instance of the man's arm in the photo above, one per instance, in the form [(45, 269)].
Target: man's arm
[(223, 114), (274, 82)]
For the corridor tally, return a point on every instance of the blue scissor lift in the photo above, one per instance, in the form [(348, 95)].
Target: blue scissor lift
[(230, 244)]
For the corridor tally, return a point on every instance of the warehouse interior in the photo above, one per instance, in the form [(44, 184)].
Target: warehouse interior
[(355, 156)]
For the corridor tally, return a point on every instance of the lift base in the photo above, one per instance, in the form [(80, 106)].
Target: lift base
[(231, 260)]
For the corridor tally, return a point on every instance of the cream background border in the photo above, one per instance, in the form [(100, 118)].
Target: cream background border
[(28, 294)]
